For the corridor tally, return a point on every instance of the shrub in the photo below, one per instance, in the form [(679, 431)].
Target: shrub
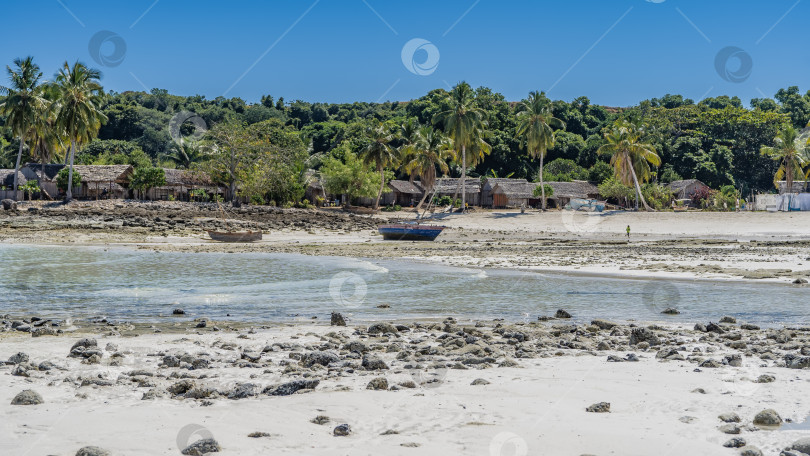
[(62, 179)]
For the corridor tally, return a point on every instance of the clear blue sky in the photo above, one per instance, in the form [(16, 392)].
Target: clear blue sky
[(616, 52)]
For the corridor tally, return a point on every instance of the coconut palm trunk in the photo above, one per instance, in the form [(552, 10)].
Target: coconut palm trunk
[(463, 178), (542, 185), (382, 187), (69, 194), (639, 196), (17, 168)]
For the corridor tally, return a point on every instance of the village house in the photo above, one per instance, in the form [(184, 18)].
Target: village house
[(564, 192), (489, 184), (685, 189), (451, 187), (509, 193), (406, 193)]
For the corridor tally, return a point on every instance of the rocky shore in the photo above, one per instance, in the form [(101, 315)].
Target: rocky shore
[(732, 387)]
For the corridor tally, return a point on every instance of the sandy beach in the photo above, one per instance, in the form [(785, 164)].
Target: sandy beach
[(536, 381)]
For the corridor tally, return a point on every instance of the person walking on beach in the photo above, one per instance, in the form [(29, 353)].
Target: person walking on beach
[(628, 232)]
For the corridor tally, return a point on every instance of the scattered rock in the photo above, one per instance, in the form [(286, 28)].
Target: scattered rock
[(768, 418), (27, 397), (379, 383), (479, 381), (323, 358), (728, 319), (639, 335), (178, 312), (201, 447), (765, 378), (729, 429), (670, 311), (599, 407), (604, 324), (93, 451), (562, 314), (729, 417), (337, 319), (291, 388), (256, 435), (371, 362), (736, 442), (802, 445), (382, 328), (320, 419), (342, 430), (18, 358), (750, 451), (9, 205)]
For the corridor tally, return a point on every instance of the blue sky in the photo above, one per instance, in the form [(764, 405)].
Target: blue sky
[(616, 52)]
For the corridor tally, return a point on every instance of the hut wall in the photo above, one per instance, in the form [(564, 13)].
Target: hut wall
[(9, 194)]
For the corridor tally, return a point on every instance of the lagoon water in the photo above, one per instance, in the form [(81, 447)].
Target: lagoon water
[(142, 285)]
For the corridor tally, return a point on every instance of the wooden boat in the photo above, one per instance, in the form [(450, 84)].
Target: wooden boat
[(410, 232), (235, 236)]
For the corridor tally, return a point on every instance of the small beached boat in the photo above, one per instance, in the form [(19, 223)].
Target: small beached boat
[(236, 236), (410, 232)]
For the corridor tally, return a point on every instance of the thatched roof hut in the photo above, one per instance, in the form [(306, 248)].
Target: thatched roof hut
[(449, 186), (574, 189), (406, 187), (489, 184), (7, 178), (34, 171), (684, 189), (512, 193), (95, 174)]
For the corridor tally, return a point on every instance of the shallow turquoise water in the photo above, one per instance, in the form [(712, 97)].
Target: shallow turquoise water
[(125, 284)]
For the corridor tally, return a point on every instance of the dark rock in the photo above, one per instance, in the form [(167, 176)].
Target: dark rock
[(729, 417), (342, 430), (768, 418), (711, 327), (765, 378), (256, 435), (802, 445), (181, 387), (379, 383), (18, 358), (382, 328), (562, 314), (337, 319), (750, 451), (201, 324), (736, 442), (710, 364), (171, 361), (9, 205), (371, 362), (604, 324), (728, 319), (27, 397), (93, 451), (797, 362), (243, 391), (479, 381), (638, 335), (734, 360), (201, 447), (356, 346), (670, 311), (800, 281), (320, 420), (599, 407), (178, 312), (729, 429), (289, 388), (323, 358)]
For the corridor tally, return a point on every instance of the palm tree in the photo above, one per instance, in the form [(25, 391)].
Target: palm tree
[(23, 102), (464, 124), (431, 149), (631, 157), (47, 139), (186, 154), (379, 153), (535, 122), (78, 109), (790, 154)]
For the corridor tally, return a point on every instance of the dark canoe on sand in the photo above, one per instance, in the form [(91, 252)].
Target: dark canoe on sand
[(410, 232), (236, 236)]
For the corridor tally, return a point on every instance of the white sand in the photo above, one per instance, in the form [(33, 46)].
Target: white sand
[(540, 407)]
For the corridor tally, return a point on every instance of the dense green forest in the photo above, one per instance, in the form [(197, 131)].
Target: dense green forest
[(717, 140)]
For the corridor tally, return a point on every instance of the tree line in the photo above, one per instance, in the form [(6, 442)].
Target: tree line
[(271, 150)]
